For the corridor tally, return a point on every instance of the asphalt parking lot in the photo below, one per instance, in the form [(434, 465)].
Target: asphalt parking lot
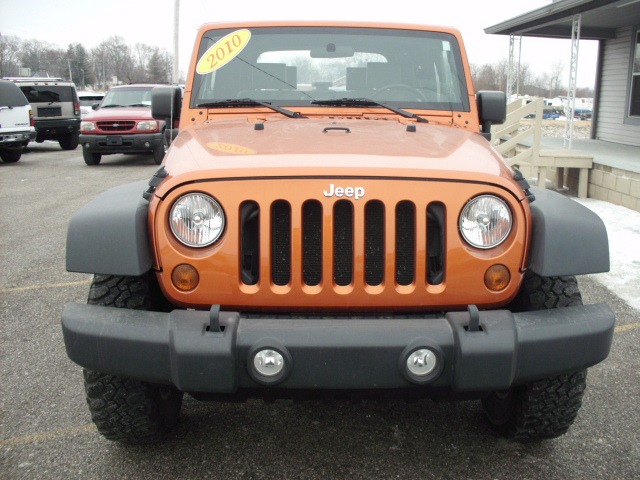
[(46, 432)]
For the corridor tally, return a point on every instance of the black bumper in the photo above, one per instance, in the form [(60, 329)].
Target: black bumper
[(47, 129), (336, 353), (132, 143)]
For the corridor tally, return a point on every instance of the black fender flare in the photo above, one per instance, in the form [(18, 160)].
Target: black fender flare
[(109, 235), (567, 237)]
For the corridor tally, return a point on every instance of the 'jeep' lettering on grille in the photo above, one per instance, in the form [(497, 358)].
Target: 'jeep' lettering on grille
[(351, 192)]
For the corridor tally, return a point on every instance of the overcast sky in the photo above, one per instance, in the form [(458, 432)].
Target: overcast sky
[(90, 22)]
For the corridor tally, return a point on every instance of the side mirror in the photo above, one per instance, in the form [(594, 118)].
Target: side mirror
[(95, 106), (492, 108), (166, 103)]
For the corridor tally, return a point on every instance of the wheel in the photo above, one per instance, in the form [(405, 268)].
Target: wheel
[(545, 408), (10, 155), (407, 93), (159, 151), (123, 409), (130, 411), (91, 158), (538, 410), (69, 141)]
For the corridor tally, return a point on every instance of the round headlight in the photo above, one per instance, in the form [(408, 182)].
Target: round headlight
[(485, 221), (197, 220)]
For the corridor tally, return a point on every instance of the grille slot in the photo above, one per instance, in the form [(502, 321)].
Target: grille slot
[(435, 243), (281, 243), (312, 243), (250, 243), (405, 243), (343, 243), (374, 243)]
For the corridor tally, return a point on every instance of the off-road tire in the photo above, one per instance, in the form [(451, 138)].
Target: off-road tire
[(10, 155), (545, 408), (91, 158), (124, 409), (69, 141), (131, 411)]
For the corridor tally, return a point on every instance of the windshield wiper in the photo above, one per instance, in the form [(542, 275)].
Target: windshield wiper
[(113, 105), (367, 102), (250, 102)]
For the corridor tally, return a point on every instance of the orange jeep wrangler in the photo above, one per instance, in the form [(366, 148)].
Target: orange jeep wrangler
[(332, 217)]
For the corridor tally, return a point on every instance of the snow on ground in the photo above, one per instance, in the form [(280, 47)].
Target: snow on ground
[(623, 227)]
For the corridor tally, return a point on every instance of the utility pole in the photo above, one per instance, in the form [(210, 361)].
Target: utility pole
[(176, 58)]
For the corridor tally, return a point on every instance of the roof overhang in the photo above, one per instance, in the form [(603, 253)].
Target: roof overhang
[(599, 19)]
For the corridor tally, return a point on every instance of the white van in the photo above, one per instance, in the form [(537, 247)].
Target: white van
[(16, 122)]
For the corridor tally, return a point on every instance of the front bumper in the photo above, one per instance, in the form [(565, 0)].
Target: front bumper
[(178, 349), (129, 143)]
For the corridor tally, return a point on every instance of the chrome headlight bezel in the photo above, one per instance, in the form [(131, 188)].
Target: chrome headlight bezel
[(485, 221), (197, 220)]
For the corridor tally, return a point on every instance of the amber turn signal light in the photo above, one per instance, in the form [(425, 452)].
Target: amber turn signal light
[(185, 277), (497, 277)]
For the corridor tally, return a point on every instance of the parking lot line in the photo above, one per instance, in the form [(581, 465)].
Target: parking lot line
[(45, 285), (44, 436), (628, 326)]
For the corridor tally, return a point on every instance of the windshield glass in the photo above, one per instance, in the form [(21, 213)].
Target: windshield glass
[(298, 65), (47, 93), (127, 97)]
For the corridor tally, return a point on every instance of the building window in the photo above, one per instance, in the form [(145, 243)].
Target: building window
[(634, 98)]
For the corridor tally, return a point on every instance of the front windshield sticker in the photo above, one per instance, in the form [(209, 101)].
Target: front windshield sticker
[(223, 51), (231, 148)]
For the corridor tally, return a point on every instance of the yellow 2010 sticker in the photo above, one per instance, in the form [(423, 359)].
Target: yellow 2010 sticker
[(231, 148), (223, 51)]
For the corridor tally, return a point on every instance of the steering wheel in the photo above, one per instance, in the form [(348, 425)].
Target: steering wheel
[(407, 90)]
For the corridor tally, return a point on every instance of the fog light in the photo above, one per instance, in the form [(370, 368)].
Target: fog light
[(421, 362), (268, 363), (185, 277), (497, 277), (147, 144)]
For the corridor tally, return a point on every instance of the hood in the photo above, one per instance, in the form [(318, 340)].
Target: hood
[(360, 147), (119, 113)]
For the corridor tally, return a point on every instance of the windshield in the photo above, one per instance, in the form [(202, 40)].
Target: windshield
[(127, 97), (299, 65)]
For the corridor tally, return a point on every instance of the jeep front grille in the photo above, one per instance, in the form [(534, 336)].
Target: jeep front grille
[(118, 126), (346, 218)]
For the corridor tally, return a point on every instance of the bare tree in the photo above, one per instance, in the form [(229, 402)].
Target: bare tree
[(43, 59), (9, 55), (119, 58), (555, 79)]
